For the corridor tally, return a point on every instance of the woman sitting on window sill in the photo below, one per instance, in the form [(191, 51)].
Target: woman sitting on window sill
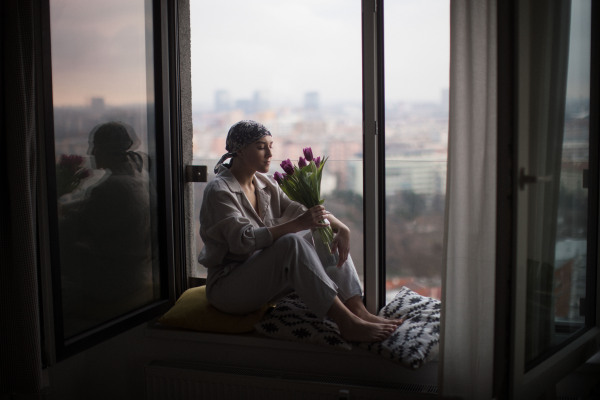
[(252, 247)]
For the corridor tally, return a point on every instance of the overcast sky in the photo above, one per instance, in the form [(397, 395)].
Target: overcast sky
[(288, 47), (98, 50), (283, 48)]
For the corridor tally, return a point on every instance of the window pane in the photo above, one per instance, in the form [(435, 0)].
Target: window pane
[(557, 256), (294, 66), (105, 154), (417, 40)]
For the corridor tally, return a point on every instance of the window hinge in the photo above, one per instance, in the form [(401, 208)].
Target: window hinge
[(195, 173), (376, 128)]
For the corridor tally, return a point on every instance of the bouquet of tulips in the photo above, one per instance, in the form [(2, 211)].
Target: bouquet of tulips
[(302, 183), (70, 172)]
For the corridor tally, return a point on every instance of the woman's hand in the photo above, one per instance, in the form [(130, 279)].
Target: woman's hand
[(341, 241), (314, 217), (341, 244)]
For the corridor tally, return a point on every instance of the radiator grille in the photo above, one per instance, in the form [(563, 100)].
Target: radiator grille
[(166, 381)]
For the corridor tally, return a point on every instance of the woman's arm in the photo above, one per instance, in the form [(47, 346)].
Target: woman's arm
[(311, 218)]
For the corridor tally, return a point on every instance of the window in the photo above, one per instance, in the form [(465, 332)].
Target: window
[(296, 67), (555, 307), (105, 168), (416, 136)]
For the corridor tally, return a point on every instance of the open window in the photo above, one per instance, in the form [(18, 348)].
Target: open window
[(108, 167), (297, 67), (555, 295)]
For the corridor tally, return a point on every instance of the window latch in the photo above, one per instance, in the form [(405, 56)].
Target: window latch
[(525, 179), (195, 173)]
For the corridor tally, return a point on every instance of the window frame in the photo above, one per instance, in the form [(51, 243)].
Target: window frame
[(512, 378), (373, 150), (166, 93)]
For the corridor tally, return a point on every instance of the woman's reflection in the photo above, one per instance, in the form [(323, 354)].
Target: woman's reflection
[(106, 238)]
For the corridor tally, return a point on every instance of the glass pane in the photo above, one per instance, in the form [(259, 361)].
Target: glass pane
[(558, 202), (294, 66), (105, 151), (417, 51)]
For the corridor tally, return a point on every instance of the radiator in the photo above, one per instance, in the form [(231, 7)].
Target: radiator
[(177, 381)]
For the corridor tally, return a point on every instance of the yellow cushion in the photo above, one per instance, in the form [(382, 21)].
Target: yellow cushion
[(192, 311)]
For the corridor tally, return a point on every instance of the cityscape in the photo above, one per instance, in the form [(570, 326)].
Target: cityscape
[(416, 145)]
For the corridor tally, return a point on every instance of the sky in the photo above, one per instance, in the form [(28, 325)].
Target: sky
[(283, 48), (98, 50), (286, 48)]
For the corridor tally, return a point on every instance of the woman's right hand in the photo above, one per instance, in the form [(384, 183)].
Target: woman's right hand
[(314, 217)]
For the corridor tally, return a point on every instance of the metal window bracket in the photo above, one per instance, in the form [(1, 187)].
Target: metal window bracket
[(195, 173)]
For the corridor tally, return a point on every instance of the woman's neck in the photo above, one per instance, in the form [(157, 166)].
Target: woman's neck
[(244, 176)]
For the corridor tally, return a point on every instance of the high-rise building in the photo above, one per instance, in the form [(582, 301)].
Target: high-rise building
[(222, 100), (312, 101)]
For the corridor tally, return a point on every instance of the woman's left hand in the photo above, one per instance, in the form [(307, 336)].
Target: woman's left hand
[(341, 244)]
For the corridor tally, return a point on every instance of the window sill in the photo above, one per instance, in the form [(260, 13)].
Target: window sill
[(201, 350)]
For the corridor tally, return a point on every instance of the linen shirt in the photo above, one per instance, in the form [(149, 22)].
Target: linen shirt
[(230, 227)]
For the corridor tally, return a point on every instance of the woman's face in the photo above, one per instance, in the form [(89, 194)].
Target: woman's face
[(257, 155)]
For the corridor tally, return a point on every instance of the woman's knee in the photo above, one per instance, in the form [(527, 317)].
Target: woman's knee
[(294, 245), (290, 242)]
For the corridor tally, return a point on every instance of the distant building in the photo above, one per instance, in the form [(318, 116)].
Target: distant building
[(312, 101), (222, 101), (570, 277), (97, 105), (422, 174)]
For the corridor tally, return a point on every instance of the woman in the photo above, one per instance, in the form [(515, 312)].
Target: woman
[(254, 253), (107, 239)]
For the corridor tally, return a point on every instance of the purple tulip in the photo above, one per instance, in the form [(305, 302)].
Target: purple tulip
[(287, 166), (308, 154), (278, 177), (70, 162), (318, 161), (301, 162)]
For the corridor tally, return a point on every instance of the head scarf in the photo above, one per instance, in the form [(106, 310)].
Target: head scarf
[(240, 135), (113, 137), (116, 140)]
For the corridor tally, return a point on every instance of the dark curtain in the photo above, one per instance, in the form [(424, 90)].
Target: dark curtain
[(20, 344)]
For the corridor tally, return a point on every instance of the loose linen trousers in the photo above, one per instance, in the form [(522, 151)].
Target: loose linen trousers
[(290, 264)]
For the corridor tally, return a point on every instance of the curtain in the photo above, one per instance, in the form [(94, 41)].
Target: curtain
[(20, 345), (466, 353)]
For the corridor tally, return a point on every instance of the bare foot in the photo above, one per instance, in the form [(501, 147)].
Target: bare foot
[(357, 307), (358, 330), (355, 329), (381, 320)]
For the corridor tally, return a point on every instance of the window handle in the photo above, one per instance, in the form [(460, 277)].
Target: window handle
[(525, 179), (195, 173)]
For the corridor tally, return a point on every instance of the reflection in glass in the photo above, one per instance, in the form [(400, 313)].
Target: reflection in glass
[(416, 136), (104, 130), (559, 158)]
